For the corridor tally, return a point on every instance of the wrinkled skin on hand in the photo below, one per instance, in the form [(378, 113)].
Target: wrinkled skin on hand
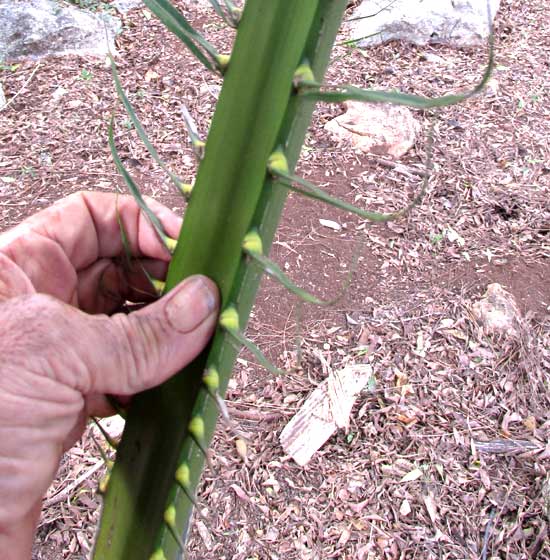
[(62, 273)]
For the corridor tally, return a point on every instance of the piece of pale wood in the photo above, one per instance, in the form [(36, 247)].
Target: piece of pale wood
[(324, 411)]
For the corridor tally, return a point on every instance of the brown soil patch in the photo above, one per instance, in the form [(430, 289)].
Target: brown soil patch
[(440, 384)]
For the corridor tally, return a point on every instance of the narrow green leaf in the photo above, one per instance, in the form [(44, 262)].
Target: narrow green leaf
[(139, 128), (112, 443), (155, 222), (196, 431), (347, 92), (129, 263), (310, 190), (176, 22), (228, 19), (252, 246), (157, 285), (218, 9), (125, 241), (271, 268), (235, 12), (170, 520), (106, 460), (229, 321), (277, 165), (196, 141), (241, 339), (103, 483), (183, 479)]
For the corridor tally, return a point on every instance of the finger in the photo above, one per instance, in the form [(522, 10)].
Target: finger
[(145, 348), (87, 226), (13, 280), (42, 261), (76, 431), (98, 405), (110, 215), (119, 355), (105, 285)]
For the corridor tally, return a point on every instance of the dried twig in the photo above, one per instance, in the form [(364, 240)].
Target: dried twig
[(256, 415), (500, 446), (68, 490), (27, 81)]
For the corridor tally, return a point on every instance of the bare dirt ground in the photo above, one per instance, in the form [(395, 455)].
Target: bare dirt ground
[(422, 472)]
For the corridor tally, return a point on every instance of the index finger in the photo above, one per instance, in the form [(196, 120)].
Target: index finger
[(87, 226)]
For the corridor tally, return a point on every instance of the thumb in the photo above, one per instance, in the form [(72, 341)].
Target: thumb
[(143, 349)]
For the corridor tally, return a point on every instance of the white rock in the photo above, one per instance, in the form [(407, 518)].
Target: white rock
[(454, 22), (113, 425), (497, 312), (38, 28), (386, 130), (436, 59), (59, 92)]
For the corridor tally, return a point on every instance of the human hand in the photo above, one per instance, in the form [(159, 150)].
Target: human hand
[(61, 271)]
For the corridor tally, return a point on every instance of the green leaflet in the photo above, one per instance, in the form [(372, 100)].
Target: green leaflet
[(158, 285), (273, 270), (106, 459), (170, 520), (252, 245), (233, 15), (175, 21), (155, 222), (310, 190), (104, 433), (219, 10), (196, 141), (139, 128), (229, 321), (349, 92), (183, 479), (233, 10), (278, 167)]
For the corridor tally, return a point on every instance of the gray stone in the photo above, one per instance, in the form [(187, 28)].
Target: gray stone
[(33, 29), (124, 6), (453, 22)]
